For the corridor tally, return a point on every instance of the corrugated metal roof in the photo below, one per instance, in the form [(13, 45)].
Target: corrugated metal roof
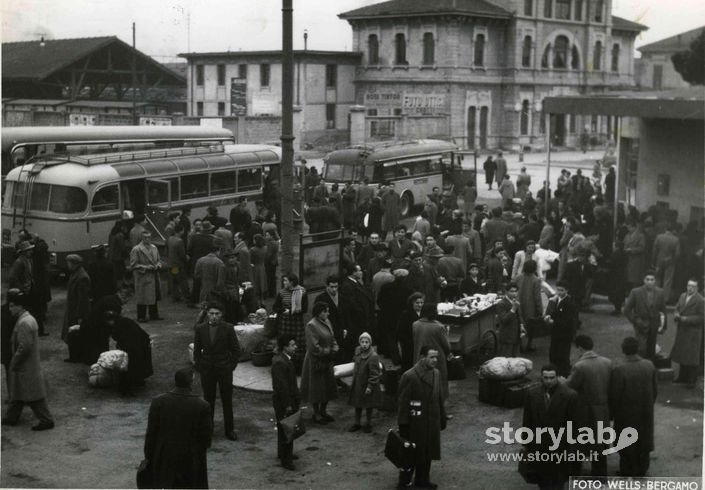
[(413, 8)]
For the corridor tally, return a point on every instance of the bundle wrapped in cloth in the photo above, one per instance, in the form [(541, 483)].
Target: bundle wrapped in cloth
[(505, 368), (100, 377), (113, 359)]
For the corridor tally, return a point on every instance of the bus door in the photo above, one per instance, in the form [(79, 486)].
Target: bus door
[(158, 193)]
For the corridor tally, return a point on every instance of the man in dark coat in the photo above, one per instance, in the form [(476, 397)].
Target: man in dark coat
[(646, 309), (285, 396), (551, 405), (510, 322), (360, 308), (392, 300), (94, 334), (633, 389), (102, 274), (399, 245), (41, 288), (337, 317), (689, 336), (421, 417), (562, 315), (216, 352), (178, 435), (240, 217), (590, 378), (77, 301)]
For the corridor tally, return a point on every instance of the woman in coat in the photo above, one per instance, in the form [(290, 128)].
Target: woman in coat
[(290, 305), (318, 385), (530, 303), (258, 252), (405, 334), (365, 391), (429, 331)]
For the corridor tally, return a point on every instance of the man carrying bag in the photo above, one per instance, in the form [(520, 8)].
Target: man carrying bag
[(286, 399)]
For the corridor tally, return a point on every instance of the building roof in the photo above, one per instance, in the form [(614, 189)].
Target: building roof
[(37, 60), (621, 24), (673, 44), (682, 103), (416, 8), (273, 53)]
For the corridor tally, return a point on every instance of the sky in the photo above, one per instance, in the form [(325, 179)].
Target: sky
[(166, 28)]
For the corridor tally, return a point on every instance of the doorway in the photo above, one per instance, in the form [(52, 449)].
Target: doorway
[(472, 123)]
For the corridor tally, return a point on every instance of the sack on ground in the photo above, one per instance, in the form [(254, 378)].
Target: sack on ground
[(100, 377), (114, 359), (506, 368)]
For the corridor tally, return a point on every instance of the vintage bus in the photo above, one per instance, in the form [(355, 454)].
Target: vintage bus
[(74, 201), (21, 144), (415, 167)]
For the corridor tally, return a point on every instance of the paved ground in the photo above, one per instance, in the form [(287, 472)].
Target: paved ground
[(99, 436)]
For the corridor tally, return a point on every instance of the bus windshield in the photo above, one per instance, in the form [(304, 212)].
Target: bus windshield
[(60, 199)]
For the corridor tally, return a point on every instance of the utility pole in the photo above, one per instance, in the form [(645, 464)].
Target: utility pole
[(287, 138), (134, 78)]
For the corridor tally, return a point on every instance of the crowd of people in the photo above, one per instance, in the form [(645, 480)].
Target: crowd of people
[(384, 302)]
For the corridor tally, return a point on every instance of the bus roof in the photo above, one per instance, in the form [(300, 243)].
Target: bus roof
[(382, 152), (77, 135), (75, 170)]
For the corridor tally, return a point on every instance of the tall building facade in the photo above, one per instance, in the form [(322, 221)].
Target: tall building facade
[(477, 71)]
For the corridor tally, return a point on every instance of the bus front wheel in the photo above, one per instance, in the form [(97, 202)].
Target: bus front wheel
[(407, 204)]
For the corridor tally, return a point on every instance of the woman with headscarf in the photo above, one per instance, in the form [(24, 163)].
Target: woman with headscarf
[(318, 385), (405, 335), (365, 391), (429, 331), (290, 305)]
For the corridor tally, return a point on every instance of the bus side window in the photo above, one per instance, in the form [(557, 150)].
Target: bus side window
[(249, 179), (105, 199), (193, 186)]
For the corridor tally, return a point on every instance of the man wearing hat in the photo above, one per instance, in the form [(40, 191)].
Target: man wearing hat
[(145, 263), (20, 275), (78, 292), (562, 316), (199, 245), (101, 273)]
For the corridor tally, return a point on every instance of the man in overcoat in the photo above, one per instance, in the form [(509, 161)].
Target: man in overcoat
[(25, 380), (689, 335), (360, 309), (210, 271), (562, 316), (646, 309), (338, 317), (510, 322), (145, 263), (590, 378), (285, 396), (391, 201), (216, 352), (178, 435), (633, 390), (551, 405), (78, 302), (421, 417)]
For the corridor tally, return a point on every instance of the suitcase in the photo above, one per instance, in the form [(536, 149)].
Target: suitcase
[(513, 396), (399, 451), (456, 369), (492, 390)]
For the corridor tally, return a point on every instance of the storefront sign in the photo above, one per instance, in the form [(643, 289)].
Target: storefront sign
[(407, 103)]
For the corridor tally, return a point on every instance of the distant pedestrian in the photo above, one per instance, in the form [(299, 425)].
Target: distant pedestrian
[(178, 435), (689, 336), (26, 383), (646, 309), (285, 395), (562, 316), (490, 167), (78, 301), (145, 264), (501, 165)]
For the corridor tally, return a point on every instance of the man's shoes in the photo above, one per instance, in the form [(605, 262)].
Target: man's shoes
[(327, 417), (403, 486), (288, 465), (355, 428), (428, 484), (232, 435), (8, 422), (367, 429), (43, 426)]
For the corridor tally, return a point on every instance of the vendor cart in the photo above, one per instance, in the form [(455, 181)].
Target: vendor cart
[(474, 335)]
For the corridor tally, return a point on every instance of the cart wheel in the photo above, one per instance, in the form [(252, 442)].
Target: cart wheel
[(488, 346)]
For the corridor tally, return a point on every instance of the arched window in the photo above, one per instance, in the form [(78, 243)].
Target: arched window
[(526, 52), (597, 56), (560, 52), (599, 7), (574, 58), (578, 12), (429, 48), (524, 121), (400, 49), (615, 58), (480, 50), (544, 58), (563, 9), (373, 49)]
